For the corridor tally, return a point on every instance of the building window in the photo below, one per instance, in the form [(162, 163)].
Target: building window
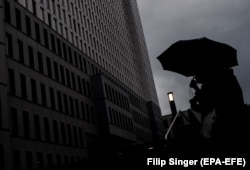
[(66, 160), (46, 40), (33, 90), (80, 62), (62, 75), (47, 129), (66, 107), (7, 11), (18, 19), (56, 132), (37, 127), (29, 160), (56, 71), (71, 104), (17, 159), (59, 11), (68, 78), (40, 62), (49, 70), (23, 86), (92, 118), (43, 94), (14, 121), (58, 160), (65, 52), (83, 111), (64, 138), (85, 66), (73, 80), (79, 84), (39, 160), (69, 134), (53, 45), (49, 20), (28, 26), (34, 7), (76, 59), (50, 160), (76, 143), (9, 47), (53, 6), (88, 89), (48, 4), (20, 51), (42, 13), (80, 137), (70, 21), (87, 112), (77, 108), (26, 124), (59, 100), (70, 55), (84, 87), (65, 33), (52, 98), (59, 48), (31, 57), (12, 84), (37, 32)]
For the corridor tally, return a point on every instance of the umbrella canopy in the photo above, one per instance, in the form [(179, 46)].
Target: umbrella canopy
[(190, 57)]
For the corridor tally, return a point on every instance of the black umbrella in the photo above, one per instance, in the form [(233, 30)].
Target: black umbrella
[(190, 57)]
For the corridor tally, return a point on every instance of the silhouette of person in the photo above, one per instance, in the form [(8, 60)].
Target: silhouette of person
[(221, 94)]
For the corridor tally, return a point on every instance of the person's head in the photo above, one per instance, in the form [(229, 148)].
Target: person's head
[(212, 75), (203, 77)]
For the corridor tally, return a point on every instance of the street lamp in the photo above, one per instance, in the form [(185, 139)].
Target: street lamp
[(174, 112), (172, 103)]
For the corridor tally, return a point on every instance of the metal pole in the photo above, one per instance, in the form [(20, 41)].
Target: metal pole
[(170, 127)]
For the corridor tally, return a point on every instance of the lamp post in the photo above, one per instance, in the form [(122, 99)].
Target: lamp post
[(172, 103), (174, 112)]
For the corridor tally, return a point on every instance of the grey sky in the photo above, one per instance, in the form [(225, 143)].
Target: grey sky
[(167, 21)]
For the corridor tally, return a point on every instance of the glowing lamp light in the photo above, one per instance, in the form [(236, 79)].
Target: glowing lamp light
[(172, 103), (170, 96)]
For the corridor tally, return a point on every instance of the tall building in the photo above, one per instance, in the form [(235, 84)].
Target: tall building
[(75, 79)]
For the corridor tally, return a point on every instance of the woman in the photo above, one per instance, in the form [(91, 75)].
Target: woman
[(220, 101)]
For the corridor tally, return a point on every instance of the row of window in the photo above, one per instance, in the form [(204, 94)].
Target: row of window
[(29, 160), (120, 120), (49, 97), (36, 127), (52, 43), (91, 40), (135, 101), (83, 18), (49, 41), (51, 68), (143, 135), (116, 97), (140, 119)]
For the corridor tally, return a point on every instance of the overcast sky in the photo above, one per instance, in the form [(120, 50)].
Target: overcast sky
[(167, 21)]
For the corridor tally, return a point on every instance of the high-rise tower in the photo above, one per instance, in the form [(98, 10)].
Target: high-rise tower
[(74, 77)]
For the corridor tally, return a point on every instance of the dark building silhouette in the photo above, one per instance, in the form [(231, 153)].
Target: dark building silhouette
[(75, 82)]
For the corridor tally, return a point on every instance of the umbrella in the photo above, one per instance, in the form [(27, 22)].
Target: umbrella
[(189, 57)]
